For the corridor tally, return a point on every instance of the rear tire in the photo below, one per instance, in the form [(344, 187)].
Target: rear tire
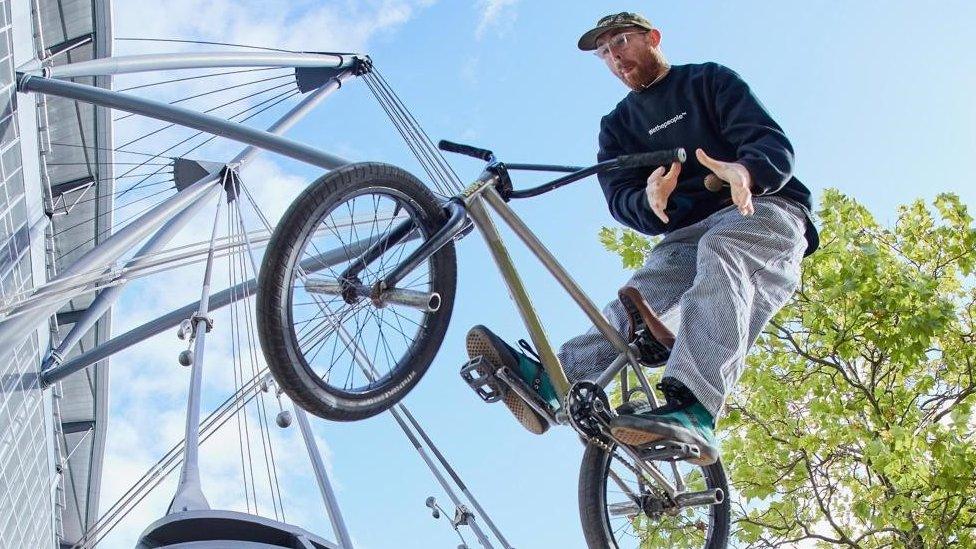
[(323, 220), (697, 527)]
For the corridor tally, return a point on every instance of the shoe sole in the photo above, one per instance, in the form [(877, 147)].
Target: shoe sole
[(639, 312), (479, 343), (634, 436)]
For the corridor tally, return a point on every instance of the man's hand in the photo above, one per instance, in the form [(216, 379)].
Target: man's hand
[(737, 176), (660, 185)]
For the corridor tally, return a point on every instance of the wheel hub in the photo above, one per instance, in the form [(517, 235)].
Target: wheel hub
[(349, 293)]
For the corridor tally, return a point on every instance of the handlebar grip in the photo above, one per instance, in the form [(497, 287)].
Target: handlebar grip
[(468, 150), (656, 158)]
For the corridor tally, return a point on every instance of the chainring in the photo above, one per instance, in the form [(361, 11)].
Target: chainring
[(589, 409)]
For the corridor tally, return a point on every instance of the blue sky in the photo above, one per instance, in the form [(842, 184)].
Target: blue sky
[(876, 98)]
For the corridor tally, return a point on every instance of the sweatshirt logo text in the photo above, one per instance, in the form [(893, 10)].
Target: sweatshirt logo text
[(666, 123)]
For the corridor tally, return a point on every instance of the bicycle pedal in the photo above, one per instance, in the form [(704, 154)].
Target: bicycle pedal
[(670, 450), (652, 352), (478, 374)]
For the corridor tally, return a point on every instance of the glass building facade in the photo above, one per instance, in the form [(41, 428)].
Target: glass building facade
[(51, 440), (26, 504)]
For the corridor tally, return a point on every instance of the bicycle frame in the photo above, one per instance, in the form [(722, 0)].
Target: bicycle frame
[(478, 198)]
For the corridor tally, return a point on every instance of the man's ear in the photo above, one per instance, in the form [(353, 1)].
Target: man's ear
[(654, 36)]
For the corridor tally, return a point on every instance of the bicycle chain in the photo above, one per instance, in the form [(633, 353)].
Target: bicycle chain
[(614, 454), (601, 440)]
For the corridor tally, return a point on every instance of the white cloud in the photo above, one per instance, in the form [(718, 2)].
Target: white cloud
[(498, 14), (299, 25)]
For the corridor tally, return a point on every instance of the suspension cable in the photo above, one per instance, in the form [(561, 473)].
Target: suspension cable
[(197, 77), (404, 134), (205, 42), (238, 375), (409, 135), (277, 99), (237, 263), (253, 343), (435, 153), (110, 149), (440, 172), (211, 92)]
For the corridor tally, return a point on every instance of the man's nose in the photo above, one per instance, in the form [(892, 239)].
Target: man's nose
[(617, 60)]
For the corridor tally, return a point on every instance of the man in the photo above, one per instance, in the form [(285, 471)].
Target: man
[(736, 225)]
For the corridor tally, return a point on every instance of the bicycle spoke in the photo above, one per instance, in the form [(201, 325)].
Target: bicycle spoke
[(378, 335), (629, 524)]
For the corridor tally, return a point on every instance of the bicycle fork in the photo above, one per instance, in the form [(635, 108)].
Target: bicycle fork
[(350, 287)]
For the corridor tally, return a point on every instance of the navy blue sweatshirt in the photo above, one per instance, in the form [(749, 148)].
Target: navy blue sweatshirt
[(705, 106)]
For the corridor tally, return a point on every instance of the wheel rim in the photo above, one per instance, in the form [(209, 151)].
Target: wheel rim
[(382, 337), (628, 523)]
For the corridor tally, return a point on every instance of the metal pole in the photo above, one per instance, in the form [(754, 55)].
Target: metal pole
[(367, 367), (200, 60), (181, 116), (294, 115), (14, 329), (172, 319), (189, 493), (162, 468), (454, 476), (106, 298), (482, 538), (328, 496)]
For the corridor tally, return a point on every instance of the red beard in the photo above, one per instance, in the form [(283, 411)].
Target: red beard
[(641, 73)]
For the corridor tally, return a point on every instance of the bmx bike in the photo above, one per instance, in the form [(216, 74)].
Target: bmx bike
[(347, 340)]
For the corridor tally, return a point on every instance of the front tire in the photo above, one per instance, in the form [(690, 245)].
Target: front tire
[(348, 358)]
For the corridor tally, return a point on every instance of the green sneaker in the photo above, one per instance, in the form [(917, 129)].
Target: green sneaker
[(482, 342), (682, 419)]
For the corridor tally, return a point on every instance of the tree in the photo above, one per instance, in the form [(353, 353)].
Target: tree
[(853, 424)]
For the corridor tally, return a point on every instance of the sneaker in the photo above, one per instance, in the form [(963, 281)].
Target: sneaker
[(482, 342), (654, 340), (682, 419)]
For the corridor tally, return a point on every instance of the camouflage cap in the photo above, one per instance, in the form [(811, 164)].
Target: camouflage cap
[(620, 20)]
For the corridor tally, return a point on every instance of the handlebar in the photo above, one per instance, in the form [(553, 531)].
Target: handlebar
[(639, 160), (649, 159), (467, 150)]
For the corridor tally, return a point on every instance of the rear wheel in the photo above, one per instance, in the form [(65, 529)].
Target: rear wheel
[(336, 350), (621, 507)]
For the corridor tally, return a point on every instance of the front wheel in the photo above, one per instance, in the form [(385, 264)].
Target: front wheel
[(622, 508), (337, 349)]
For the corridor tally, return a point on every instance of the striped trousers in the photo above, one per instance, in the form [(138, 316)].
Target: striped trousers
[(716, 284)]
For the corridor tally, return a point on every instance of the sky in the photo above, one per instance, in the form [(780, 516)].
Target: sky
[(875, 97)]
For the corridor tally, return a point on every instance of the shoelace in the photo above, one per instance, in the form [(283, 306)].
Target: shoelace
[(528, 349), (676, 396), (537, 379)]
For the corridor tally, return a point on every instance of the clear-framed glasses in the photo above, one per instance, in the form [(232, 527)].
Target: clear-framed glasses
[(614, 44)]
